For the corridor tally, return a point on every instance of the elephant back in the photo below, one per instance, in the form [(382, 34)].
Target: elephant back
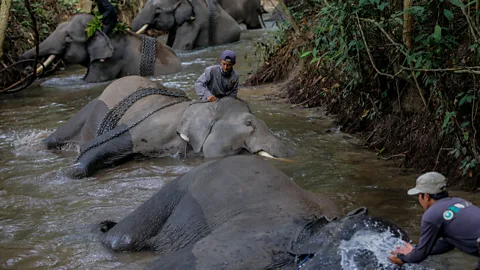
[(139, 100), (123, 87)]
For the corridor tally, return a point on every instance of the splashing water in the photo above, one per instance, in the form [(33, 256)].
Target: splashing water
[(367, 243), (29, 142)]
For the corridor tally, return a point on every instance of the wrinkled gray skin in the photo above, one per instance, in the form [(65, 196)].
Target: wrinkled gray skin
[(222, 128), (175, 16), (237, 213), (247, 12), (122, 55)]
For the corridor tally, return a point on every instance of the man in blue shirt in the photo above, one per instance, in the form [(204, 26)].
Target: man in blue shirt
[(220, 80), (447, 223)]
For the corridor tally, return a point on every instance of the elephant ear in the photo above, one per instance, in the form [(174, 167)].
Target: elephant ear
[(307, 240), (197, 122), (99, 47)]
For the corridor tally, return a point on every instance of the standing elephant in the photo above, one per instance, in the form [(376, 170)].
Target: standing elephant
[(248, 12), (121, 54), (190, 23), (134, 115), (242, 213)]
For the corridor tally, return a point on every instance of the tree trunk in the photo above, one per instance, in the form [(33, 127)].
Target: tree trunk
[(289, 15), (4, 13), (407, 23), (86, 5)]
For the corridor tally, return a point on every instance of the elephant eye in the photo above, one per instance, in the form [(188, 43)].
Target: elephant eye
[(248, 123)]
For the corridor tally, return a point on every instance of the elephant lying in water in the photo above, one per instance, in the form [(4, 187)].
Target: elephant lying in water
[(190, 23), (241, 213), (134, 115), (123, 54)]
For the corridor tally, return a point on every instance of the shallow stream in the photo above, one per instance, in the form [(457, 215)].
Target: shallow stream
[(47, 220)]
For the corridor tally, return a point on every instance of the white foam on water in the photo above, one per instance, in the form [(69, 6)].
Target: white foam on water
[(29, 142), (74, 82), (379, 244)]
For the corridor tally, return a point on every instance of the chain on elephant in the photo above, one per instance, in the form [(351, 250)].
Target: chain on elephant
[(148, 55), (110, 121)]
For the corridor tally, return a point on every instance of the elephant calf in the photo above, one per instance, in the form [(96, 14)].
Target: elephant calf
[(241, 213)]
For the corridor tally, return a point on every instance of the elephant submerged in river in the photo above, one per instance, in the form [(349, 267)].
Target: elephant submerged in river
[(134, 116), (240, 212), (190, 23), (120, 55)]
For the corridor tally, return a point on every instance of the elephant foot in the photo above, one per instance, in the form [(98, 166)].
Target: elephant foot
[(76, 171)]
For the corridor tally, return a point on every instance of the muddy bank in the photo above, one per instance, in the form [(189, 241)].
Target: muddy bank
[(398, 117)]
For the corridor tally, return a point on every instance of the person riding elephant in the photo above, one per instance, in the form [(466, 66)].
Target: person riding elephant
[(241, 212), (135, 116), (190, 23), (248, 12), (124, 53)]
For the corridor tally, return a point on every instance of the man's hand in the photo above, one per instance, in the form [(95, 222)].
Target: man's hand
[(405, 249), (211, 98), (395, 260)]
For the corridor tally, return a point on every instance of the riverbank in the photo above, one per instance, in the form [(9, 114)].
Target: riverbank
[(419, 119)]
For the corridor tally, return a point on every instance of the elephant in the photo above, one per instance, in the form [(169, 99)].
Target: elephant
[(241, 212), (136, 116), (248, 12), (120, 55), (190, 23)]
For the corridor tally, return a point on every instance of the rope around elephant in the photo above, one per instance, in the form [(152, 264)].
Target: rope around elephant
[(116, 113)]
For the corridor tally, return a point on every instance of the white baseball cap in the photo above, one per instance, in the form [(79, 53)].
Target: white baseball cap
[(430, 183)]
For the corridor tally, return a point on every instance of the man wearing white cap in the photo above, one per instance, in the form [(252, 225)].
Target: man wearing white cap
[(447, 223), (220, 80)]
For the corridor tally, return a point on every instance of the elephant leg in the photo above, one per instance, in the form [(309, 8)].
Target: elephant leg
[(102, 71), (71, 128), (111, 152), (227, 249), (133, 232), (186, 37), (181, 259)]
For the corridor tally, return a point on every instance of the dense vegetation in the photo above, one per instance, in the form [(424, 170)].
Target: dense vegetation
[(403, 77)]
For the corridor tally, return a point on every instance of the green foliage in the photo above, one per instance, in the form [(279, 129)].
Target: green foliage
[(19, 35), (121, 27), (361, 42), (95, 24)]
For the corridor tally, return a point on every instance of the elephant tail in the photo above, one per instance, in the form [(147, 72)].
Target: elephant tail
[(106, 225)]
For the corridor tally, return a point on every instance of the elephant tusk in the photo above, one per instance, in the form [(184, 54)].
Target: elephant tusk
[(141, 30), (184, 137), (267, 155), (46, 63)]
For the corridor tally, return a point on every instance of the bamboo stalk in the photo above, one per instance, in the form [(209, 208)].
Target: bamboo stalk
[(407, 23)]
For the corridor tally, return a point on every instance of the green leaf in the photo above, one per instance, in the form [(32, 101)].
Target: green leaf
[(457, 3), (448, 14), (437, 35), (305, 54), (382, 6)]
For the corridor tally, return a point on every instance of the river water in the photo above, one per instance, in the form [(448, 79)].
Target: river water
[(47, 220)]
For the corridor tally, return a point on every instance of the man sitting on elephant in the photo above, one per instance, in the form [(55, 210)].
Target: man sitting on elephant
[(109, 19), (219, 80)]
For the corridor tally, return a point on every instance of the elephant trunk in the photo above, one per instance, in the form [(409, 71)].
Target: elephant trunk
[(50, 46), (145, 17), (265, 143)]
